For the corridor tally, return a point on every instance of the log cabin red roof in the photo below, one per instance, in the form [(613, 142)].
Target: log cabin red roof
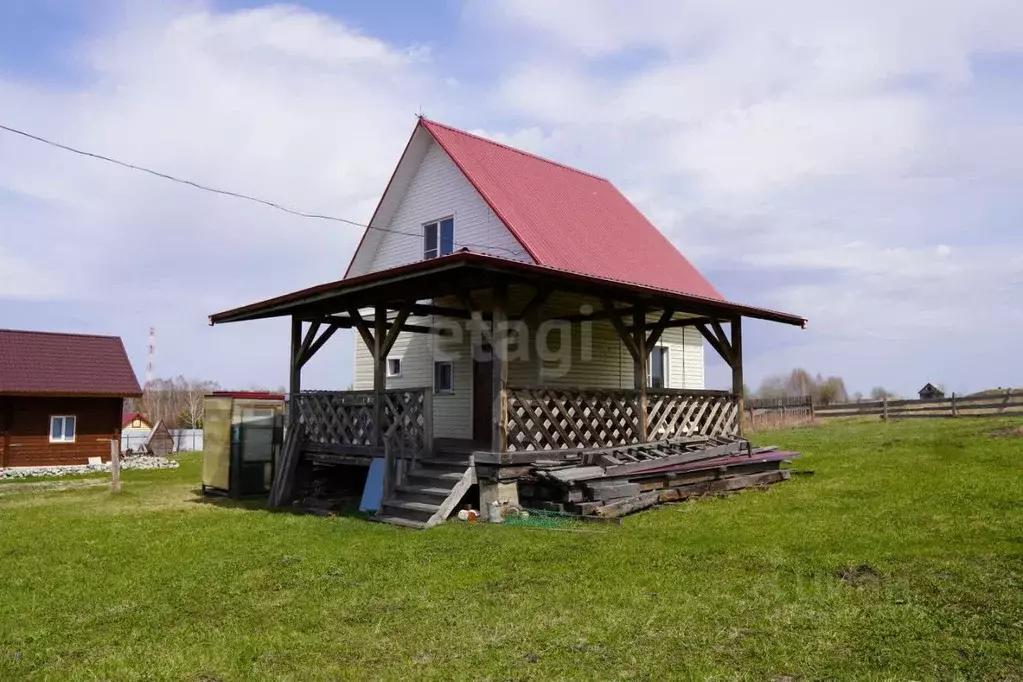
[(51, 364)]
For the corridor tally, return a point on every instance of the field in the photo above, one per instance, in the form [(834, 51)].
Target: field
[(900, 557)]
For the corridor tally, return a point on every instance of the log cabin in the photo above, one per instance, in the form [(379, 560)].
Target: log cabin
[(509, 305), (61, 397)]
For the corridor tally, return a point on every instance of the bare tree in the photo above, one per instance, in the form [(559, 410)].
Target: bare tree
[(880, 393), (194, 392)]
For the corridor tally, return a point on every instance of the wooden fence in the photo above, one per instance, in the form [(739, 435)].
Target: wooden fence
[(346, 418), (565, 418), (773, 413), (1008, 403)]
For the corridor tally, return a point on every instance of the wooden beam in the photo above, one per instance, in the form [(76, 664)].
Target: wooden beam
[(597, 315), (425, 310), (295, 375), (318, 343), (379, 387), (659, 327), (723, 339), (684, 322), (737, 380), (395, 329), (626, 337), (360, 324), (499, 353), (310, 335), (712, 339), (639, 366), (349, 323)]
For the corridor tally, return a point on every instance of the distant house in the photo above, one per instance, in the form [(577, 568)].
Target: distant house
[(930, 392), (135, 420), (61, 396)]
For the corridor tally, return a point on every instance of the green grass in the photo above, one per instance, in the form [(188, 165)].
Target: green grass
[(156, 585)]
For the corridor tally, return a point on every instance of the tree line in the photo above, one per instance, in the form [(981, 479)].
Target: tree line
[(823, 390), (178, 402)]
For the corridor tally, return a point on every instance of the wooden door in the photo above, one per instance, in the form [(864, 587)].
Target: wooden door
[(6, 419), (482, 396)]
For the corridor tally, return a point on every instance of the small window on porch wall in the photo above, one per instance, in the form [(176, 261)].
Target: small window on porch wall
[(443, 377), (394, 367), (438, 238), (657, 368), (62, 429)]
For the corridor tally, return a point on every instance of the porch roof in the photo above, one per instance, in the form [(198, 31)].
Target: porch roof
[(467, 271)]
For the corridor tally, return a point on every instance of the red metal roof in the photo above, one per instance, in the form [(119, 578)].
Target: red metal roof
[(249, 395), (44, 363), (568, 219), (128, 417)]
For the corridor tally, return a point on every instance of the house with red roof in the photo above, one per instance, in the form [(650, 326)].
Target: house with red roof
[(508, 304), (61, 396)]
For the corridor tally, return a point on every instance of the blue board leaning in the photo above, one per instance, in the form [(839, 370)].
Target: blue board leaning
[(373, 493)]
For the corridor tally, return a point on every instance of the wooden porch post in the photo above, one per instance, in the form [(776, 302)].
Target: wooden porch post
[(737, 382), (295, 376), (379, 385), (639, 366), (499, 353)]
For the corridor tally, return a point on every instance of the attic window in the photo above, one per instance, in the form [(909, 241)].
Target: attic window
[(394, 367), (438, 238)]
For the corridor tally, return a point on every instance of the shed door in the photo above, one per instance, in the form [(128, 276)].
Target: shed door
[(256, 450)]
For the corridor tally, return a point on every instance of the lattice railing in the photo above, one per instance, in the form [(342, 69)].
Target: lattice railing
[(346, 417), (566, 418), (675, 413)]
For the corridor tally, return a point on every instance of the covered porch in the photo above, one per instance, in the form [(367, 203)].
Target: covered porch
[(505, 320)]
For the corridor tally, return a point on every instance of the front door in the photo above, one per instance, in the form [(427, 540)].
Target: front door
[(6, 417), (482, 395)]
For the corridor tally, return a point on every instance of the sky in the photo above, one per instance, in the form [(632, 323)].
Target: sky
[(856, 163)]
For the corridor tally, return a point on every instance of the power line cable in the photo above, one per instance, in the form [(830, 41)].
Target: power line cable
[(235, 195)]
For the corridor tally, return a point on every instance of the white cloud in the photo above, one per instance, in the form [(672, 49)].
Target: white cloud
[(277, 102), (849, 161)]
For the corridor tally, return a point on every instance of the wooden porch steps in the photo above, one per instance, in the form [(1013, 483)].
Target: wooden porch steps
[(430, 491)]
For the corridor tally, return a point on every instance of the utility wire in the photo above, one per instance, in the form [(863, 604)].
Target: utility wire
[(236, 195)]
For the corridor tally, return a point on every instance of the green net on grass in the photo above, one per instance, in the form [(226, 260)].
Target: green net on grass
[(546, 518)]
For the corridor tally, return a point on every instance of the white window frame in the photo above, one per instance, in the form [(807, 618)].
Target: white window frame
[(63, 428), (666, 365), (451, 365), (438, 250), (391, 374)]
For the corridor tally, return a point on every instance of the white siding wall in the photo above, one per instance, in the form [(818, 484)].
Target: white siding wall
[(439, 190), (610, 364)]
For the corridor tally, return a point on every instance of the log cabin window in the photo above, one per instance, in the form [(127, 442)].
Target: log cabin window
[(394, 367), (443, 377), (438, 238), (657, 368), (62, 429)]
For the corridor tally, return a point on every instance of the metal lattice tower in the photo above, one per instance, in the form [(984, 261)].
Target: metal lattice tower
[(150, 356)]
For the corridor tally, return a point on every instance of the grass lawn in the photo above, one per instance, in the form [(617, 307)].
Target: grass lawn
[(901, 557)]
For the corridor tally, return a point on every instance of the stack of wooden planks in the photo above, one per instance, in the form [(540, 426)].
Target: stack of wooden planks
[(615, 481)]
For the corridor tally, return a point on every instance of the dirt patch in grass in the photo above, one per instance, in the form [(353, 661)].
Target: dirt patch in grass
[(1014, 432), (860, 575)]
